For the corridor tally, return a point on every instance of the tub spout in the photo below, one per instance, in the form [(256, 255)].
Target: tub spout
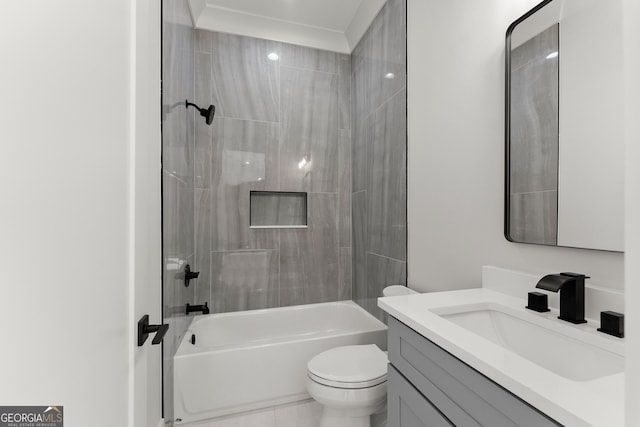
[(193, 308)]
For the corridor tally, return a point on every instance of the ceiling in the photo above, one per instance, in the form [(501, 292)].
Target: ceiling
[(335, 25)]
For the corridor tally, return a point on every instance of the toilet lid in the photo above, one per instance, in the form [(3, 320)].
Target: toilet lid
[(361, 365)]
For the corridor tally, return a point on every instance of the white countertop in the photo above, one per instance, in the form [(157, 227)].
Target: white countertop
[(598, 402)]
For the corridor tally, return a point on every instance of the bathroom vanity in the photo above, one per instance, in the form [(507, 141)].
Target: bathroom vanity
[(477, 357), (428, 386)]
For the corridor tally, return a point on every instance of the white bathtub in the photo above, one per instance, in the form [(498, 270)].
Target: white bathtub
[(255, 359)]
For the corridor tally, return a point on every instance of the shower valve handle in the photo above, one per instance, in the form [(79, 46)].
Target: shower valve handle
[(189, 275)]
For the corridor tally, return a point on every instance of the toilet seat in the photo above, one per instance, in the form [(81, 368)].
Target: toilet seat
[(349, 367), (347, 385)]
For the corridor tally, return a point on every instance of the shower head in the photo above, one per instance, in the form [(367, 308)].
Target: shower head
[(207, 113)]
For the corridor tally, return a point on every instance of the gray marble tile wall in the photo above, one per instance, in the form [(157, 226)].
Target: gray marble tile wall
[(282, 124), (379, 155), (178, 180), (533, 215)]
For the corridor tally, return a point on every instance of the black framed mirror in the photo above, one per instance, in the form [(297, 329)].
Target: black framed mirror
[(563, 126)]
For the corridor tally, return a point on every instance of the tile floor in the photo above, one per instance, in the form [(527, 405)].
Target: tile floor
[(299, 414)]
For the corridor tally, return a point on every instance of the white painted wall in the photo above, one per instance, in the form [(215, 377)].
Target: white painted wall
[(591, 155), (456, 152), (631, 16), (361, 21), (67, 219)]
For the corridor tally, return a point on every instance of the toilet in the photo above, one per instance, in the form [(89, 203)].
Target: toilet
[(350, 381), (397, 290)]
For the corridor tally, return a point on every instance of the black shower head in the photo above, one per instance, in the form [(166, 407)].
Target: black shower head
[(207, 113)]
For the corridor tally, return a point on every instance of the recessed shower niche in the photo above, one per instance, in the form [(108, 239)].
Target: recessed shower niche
[(278, 209)]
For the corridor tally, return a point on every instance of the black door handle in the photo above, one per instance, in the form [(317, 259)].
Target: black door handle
[(162, 330), (144, 329)]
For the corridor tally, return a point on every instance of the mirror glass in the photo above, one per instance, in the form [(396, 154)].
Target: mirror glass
[(564, 140)]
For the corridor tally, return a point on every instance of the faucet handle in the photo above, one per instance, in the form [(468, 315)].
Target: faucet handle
[(538, 302), (612, 323)]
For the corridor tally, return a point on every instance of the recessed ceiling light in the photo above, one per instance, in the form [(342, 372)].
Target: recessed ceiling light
[(552, 55), (389, 76), (273, 56), (247, 163)]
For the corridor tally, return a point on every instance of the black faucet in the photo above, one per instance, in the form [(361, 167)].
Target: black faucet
[(571, 288), (193, 308)]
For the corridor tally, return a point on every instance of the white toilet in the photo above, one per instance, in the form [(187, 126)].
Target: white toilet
[(351, 381), (397, 290)]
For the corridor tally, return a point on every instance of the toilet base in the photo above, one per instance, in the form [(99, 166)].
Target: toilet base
[(349, 404), (348, 407)]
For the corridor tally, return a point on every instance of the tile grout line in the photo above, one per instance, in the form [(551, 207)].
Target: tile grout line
[(386, 257), (310, 70)]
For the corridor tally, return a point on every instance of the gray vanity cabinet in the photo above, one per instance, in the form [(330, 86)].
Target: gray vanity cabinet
[(428, 386), (407, 407)]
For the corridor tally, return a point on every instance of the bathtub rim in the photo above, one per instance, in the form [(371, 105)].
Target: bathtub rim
[(185, 351)]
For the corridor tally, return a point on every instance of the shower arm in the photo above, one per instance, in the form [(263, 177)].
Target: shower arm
[(207, 113), (188, 104)]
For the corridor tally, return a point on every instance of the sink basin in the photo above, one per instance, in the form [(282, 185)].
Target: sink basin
[(568, 351)]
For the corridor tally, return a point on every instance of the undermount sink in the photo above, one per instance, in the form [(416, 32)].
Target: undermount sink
[(566, 350)]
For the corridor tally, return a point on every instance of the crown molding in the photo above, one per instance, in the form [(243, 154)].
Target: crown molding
[(210, 17)]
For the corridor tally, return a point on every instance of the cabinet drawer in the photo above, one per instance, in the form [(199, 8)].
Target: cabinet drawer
[(462, 394), (407, 407)]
